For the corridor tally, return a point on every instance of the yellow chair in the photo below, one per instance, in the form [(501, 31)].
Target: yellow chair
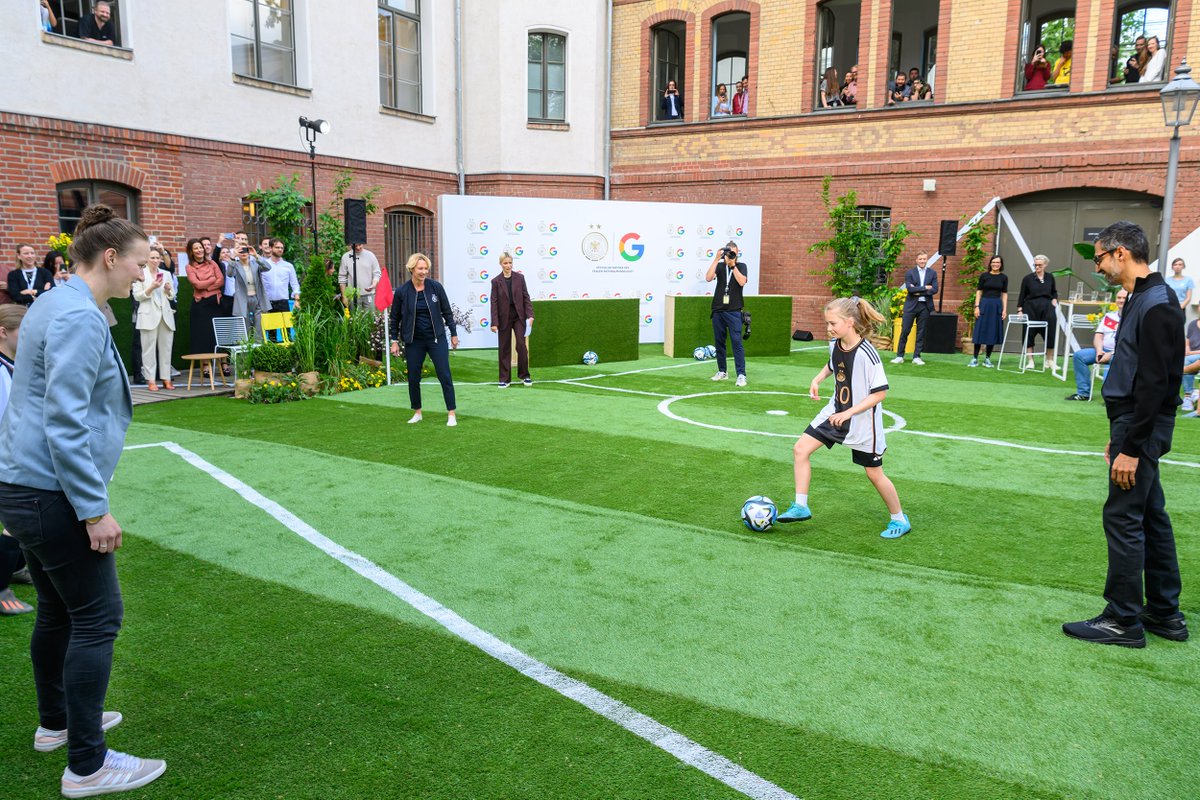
[(278, 322)]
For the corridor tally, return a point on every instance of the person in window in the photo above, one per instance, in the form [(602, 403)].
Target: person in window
[(850, 88), (670, 106), (1157, 65), (97, 27), (1132, 72), (914, 75), (1037, 71), (921, 91), (740, 97), (27, 282), (1143, 57), (721, 107), (899, 91), (830, 95), (1061, 74), (49, 21)]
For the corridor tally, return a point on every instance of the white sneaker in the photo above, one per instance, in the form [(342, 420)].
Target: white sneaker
[(898, 360), (741, 380), (452, 422), (720, 376), (987, 362), (120, 773), (415, 418), (1188, 405), (1029, 364), (45, 740), (974, 362), (918, 361)]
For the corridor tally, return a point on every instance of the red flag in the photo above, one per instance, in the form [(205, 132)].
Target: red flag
[(383, 292)]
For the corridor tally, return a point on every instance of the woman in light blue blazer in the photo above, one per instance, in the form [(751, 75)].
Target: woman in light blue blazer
[(60, 439)]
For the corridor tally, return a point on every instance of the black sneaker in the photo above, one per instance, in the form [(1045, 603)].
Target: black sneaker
[(1174, 628), (1106, 630), (1078, 396)]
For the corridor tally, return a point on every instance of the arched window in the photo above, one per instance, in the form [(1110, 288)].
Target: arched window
[(75, 196), (407, 230), (668, 43), (1133, 24), (1045, 25), (547, 77), (838, 23), (731, 51)]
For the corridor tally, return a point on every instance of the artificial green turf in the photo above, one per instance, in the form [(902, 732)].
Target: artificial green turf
[(583, 526)]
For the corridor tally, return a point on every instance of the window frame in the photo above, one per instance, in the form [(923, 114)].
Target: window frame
[(404, 226), (544, 89), (93, 189), (1168, 33), (57, 7), (258, 45), (825, 55), (717, 56), (1029, 36), (394, 80), (678, 30)]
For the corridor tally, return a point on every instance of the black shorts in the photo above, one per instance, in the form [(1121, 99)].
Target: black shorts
[(828, 435)]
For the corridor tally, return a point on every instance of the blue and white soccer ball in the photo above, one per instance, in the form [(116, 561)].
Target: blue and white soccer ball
[(700, 353), (710, 350), (759, 513), (590, 357)]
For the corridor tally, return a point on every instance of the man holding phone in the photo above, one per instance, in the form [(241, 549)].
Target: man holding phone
[(671, 105), (730, 275)]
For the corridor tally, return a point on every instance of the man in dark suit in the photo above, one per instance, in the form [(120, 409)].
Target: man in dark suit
[(27, 282), (512, 310), (921, 285)]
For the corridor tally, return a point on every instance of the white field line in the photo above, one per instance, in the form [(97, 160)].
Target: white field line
[(671, 741)]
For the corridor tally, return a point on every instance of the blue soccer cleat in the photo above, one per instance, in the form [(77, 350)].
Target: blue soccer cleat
[(895, 529), (795, 513)]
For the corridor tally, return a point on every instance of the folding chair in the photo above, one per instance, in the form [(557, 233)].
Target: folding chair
[(231, 336), (277, 327)]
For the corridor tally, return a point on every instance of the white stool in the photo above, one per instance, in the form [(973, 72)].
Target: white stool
[(1030, 326)]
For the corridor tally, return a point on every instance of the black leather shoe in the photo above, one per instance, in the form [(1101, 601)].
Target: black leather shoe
[(1106, 630), (1077, 396), (1174, 628)]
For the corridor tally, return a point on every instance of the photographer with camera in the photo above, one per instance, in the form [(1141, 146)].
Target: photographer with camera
[(1037, 71), (730, 275), (671, 105)]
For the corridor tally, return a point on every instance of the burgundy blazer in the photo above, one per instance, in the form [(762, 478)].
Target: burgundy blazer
[(500, 300)]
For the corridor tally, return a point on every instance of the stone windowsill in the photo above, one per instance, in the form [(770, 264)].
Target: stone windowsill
[(534, 125), (111, 51), (396, 112), (258, 83)]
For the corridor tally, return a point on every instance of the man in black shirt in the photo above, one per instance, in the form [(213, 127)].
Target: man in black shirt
[(1141, 393), (97, 27), (730, 275)]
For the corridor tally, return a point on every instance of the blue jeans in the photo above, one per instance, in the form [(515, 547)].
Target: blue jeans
[(1083, 359), (729, 322), (79, 612), (439, 353), (1189, 381)]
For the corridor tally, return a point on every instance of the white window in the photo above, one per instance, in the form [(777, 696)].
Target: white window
[(400, 54), (263, 40), (547, 77)]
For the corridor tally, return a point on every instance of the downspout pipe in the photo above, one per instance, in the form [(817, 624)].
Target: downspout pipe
[(608, 101), (458, 97)]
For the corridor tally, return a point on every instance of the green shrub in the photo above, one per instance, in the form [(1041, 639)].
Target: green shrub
[(272, 357), (316, 291)]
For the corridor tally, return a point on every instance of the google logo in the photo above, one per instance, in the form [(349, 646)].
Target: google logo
[(709, 231), (483, 322), (738, 231), (647, 319), (635, 250), (553, 251), (553, 274), (519, 251), (483, 251), (680, 230), (648, 297), (679, 252), (484, 274), (678, 274), (520, 226), (552, 296), (483, 226), (553, 227), (483, 298)]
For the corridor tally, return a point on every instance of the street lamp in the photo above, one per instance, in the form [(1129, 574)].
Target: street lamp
[(1179, 98), (310, 128)]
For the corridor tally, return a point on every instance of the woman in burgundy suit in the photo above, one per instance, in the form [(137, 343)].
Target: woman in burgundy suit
[(512, 310)]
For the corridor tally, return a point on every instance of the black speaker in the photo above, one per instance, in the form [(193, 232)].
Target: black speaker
[(355, 213), (948, 239), (941, 332)]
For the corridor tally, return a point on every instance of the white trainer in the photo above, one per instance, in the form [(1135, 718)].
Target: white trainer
[(741, 380), (452, 421), (720, 376), (415, 418), (974, 362), (45, 740), (918, 361), (121, 772), (898, 360)]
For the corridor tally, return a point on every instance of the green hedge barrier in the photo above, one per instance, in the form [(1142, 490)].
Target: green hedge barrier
[(563, 330), (770, 329), (124, 330)]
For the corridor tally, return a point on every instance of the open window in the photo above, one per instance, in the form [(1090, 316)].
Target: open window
[(731, 51), (835, 81), (74, 18), (668, 45), (1046, 56), (911, 59), (1139, 52)]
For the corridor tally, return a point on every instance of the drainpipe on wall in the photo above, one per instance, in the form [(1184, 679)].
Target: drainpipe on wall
[(608, 101), (458, 95)]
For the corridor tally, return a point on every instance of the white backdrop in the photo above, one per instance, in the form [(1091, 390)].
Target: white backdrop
[(570, 249)]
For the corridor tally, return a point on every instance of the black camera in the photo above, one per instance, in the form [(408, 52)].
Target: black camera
[(746, 325), (728, 253), (243, 249)]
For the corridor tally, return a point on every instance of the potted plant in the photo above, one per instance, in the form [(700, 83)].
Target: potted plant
[(305, 346), (974, 262)]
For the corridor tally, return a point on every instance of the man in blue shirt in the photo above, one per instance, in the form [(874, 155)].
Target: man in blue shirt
[(280, 281)]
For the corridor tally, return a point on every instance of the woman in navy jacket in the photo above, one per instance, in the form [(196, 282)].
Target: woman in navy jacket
[(421, 314)]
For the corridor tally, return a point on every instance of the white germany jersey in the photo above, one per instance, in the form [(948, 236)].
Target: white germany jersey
[(857, 373)]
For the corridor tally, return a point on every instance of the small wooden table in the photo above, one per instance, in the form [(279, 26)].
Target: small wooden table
[(210, 360)]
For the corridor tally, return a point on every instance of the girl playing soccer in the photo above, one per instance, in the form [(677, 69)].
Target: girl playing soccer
[(854, 415)]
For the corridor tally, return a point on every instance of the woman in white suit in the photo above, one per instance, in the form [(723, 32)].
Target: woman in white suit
[(155, 321)]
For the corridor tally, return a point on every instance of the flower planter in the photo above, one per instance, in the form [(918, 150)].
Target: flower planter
[(310, 382), (264, 377), (241, 388)]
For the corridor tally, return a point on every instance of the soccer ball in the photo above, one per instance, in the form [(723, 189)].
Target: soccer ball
[(710, 351), (700, 353), (590, 358), (759, 513)]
